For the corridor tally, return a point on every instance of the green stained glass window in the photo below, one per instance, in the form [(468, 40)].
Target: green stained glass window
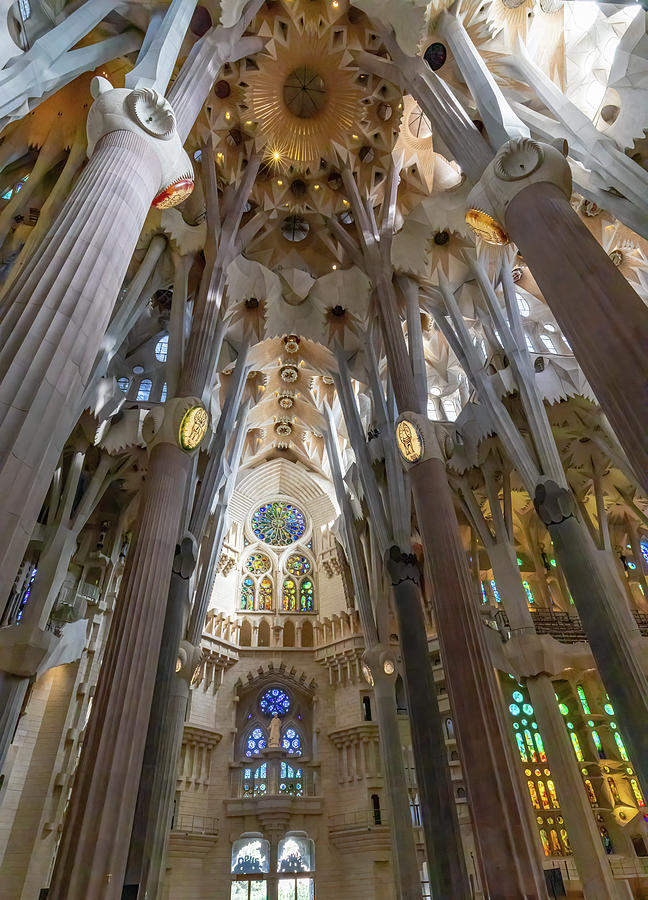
[(577, 747), (247, 593), (257, 564), (620, 745), (298, 564), (289, 596), (306, 596), (583, 699), (278, 523), (528, 591), (265, 594)]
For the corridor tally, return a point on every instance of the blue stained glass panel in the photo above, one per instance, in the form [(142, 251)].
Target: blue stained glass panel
[(275, 702), (278, 523)]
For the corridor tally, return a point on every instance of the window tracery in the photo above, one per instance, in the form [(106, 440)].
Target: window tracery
[(278, 523), (256, 742)]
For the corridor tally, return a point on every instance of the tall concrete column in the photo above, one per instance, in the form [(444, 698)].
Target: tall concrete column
[(525, 647), (55, 315), (94, 847), (446, 863), (527, 188), (406, 869), (159, 768), (509, 850), (604, 624)]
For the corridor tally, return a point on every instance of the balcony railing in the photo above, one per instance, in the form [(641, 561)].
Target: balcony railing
[(187, 824), (357, 818)]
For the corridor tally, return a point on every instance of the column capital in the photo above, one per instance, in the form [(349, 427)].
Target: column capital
[(518, 164), (553, 503), (148, 114), (189, 658)]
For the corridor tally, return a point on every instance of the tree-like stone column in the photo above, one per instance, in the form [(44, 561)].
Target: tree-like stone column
[(56, 313), (447, 873), (508, 847), (602, 620), (527, 189), (94, 847)]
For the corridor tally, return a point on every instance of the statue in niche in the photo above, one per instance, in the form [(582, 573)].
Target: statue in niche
[(275, 733)]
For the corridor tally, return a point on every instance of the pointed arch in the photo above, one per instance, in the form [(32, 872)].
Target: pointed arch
[(307, 634), (245, 634), (288, 634), (263, 638), (306, 596)]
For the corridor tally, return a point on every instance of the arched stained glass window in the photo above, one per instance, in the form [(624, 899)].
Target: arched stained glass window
[(543, 795), (549, 344), (124, 384), (298, 564), (163, 395), (583, 699), (620, 745), (289, 596), (597, 742), (257, 564), (614, 790), (590, 792), (528, 592), (521, 747), (523, 305), (529, 743), (278, 523), (291, 742), (495, 591), (551, 787), (565, 840), (306, 596), (577, 747), (643, 544), (483, 593), (162, 348), (534, 794), (144, 389), (637, 792), (256, 742), (545, 842), (275, 702), (540, 746), (265, 594), (296, 854), (247, 593), (555, 843)]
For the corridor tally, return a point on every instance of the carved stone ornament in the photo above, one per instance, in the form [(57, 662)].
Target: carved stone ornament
[(152, 111), (519, 164), (418, 439), (553, 503), (147, 113), (182, 421), (518, 159), (186, 556), (402, 567)]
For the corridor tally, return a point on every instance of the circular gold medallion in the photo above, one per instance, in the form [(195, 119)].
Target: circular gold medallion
[(409, 440), (193, 427)]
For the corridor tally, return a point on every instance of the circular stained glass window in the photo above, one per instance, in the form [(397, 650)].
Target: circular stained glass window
[(278, 523), (256, 742), (514, 709), (518, 697), (258, 564), (275, 702), (298, 564), (291, 742)]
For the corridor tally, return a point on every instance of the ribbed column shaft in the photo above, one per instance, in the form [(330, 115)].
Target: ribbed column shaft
[(446, 864), (603, 318), (408, 881), (94, 846), (52, 323), (508, 849), (605, 627)]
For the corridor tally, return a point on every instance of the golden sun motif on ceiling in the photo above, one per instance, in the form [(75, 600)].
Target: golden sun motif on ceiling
[(305, 99)]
